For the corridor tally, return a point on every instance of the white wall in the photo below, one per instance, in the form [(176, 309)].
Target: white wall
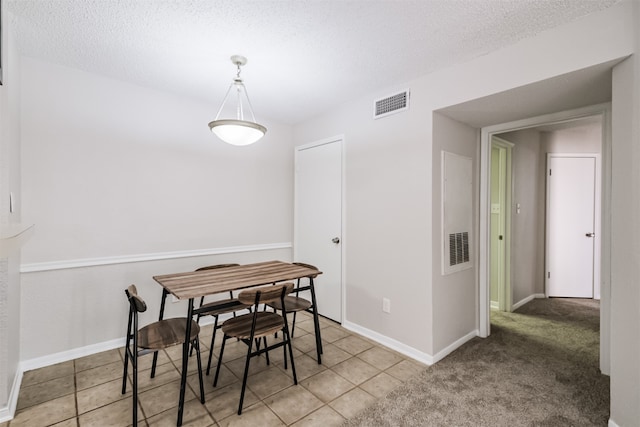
[(527, 227), (9, 183), (388, 218), (114, 169), (580, 139), (625, 241), (376, 149), (86, 306), (390, 189), (455, 315), (111, 169)]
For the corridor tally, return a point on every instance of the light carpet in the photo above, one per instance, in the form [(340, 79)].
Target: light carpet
[(539, 367)]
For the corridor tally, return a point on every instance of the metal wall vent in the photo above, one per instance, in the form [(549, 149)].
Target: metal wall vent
[(391, 104), (458, 248)]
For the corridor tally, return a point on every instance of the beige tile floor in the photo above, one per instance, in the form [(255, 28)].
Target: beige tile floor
[(87, 391)]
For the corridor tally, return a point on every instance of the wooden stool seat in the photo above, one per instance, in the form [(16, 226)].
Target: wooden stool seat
[(166, 333), (292, 304)]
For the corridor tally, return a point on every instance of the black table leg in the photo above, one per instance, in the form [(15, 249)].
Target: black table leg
[(155, 354), (316, 321)]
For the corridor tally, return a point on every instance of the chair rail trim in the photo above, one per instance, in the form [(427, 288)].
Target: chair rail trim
[(158, 256)]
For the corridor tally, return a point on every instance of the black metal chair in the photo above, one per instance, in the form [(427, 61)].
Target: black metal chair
[(294, 304), (152, 338), (253, 329), (217, 308)]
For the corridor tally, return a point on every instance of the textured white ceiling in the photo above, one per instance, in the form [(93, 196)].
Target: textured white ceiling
[(305, 56)]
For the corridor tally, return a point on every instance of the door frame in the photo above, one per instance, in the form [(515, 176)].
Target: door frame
[(505, 302), (343, 230), (484, 323), (596, 220)]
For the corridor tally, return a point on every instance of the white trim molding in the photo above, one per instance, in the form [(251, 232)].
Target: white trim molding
[(454, 345), (523, 301), (390, 343), (12, 237), (65, 356), (611, 423), (407, 350), (7, 413), (158, 256)]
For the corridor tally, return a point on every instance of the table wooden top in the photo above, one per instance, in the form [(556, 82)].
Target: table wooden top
[(195, 284)]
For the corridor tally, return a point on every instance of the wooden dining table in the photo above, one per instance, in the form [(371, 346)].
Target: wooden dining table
[(196, 284)]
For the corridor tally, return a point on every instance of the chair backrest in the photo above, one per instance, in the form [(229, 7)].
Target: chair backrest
[(135, 301), (265, 293), (213, 267), (313, 267)]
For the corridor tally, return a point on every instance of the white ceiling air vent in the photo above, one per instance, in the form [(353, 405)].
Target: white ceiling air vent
[(391, 104)]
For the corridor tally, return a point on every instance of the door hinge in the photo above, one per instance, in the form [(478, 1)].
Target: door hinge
[(549, 172), (548, 275)]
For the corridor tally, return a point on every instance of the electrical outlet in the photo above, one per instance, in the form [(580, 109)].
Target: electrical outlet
[(386, 305)]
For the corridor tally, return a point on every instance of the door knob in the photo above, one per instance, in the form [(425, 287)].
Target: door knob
[(336, 240), (590, 234)]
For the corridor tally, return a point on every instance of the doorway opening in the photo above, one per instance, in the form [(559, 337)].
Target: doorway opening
[(579, 94), (533, 139)]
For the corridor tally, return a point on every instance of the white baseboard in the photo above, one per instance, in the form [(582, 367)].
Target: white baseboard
[(405, 349), (612, 423), (65, 356), (526, 300), (390, 342), (495, 305), (450, 348), (7, 413)]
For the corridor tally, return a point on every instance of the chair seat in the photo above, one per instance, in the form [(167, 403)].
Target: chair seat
[(166, 333), (292, 304), (216, 308), (267, 323), (152, 338)]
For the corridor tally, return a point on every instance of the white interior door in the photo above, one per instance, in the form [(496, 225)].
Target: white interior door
[(318, 220), (571, 226)]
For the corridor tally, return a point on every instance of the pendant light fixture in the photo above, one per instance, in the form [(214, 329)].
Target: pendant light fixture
[(237, 131)]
